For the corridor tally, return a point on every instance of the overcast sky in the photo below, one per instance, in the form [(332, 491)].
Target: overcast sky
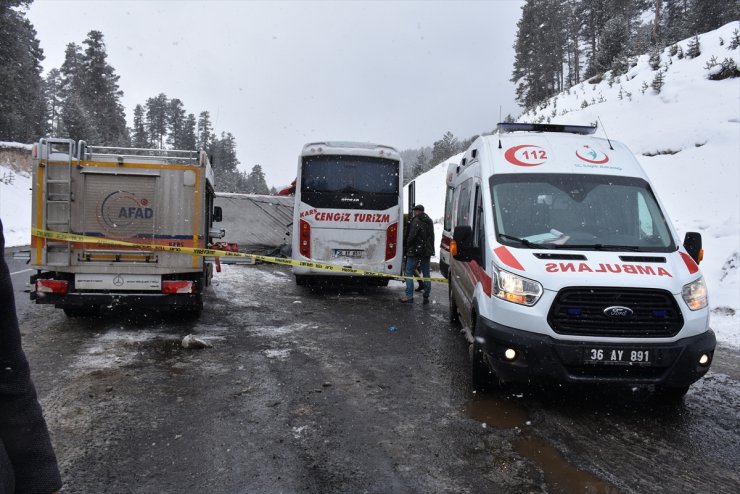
[(279, 74)]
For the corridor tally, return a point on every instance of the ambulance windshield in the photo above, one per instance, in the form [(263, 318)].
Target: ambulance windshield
[(567, 211)]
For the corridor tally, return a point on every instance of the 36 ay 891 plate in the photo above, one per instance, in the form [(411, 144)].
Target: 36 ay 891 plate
[(618, 356)]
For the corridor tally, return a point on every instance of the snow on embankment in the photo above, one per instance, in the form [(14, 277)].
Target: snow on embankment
[(15, 192)]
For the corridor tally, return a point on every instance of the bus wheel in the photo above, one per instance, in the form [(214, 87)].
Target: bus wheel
[(452, 306)]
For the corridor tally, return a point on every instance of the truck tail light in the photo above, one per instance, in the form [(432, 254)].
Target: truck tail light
[(52, 286), (178, 286), (304, 239), (391, 241)]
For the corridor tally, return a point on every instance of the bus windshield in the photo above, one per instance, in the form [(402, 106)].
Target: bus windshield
[(568, 211), (350, 182)]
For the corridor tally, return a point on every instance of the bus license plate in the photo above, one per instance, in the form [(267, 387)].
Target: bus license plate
[(618, 356), (347, 253)]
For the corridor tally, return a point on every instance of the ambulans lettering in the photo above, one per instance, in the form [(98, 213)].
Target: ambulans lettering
[(582, 267)]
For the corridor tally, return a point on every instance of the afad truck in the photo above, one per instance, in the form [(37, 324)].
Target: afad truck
[(90, 203), (565, 267)]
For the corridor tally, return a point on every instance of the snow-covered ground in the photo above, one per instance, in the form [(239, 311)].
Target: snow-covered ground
[(687, 137)]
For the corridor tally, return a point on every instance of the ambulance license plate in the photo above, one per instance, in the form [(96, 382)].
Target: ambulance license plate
[(348, 253), (618, 356)]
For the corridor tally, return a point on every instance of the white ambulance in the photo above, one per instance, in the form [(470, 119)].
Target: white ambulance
[(565, 267)]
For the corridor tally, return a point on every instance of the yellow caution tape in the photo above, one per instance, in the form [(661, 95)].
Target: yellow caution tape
[(71, 237)]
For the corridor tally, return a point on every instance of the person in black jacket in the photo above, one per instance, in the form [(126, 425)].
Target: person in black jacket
[(419, 250), (27, 460)]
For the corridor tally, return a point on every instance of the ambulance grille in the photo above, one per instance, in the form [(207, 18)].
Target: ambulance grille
[(580, 311)]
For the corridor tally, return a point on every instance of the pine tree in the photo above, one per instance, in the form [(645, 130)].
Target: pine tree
[(693, 47), (156, 119), (189, 139), (102, 96), (139, 134), (444, 148), (539, 52), (707, 15), (658, 81), (256, 181), (204, 131), (420, 165), (22, 104), (54, 100), (176, 124)]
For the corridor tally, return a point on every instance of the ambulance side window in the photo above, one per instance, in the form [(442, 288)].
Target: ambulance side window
[(477, 218), (645, 218), (463, 204), (448, 208)]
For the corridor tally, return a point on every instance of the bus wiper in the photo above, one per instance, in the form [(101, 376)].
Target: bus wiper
[(631, 248), (522, 241)]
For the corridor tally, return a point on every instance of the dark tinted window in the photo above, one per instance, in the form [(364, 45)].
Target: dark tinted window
[(350, 182)]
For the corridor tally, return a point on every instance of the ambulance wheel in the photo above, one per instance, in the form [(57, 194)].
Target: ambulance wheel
[(670, 393), (481, 375), (482, 378), (452, 306)]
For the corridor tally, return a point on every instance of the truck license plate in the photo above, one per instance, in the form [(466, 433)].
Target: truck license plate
[(347, 253), (618, 356)]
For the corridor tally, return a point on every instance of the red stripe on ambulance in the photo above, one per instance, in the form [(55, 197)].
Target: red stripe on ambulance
[(508, 258), (693, 268)]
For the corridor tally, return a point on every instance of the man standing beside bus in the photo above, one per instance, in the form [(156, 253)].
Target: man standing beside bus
[(419, 250)]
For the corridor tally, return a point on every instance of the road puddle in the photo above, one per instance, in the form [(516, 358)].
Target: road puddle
[(560, 475), (496, 412)]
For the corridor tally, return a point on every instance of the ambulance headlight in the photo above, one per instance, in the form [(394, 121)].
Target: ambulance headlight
[(695, 294), (512, 288)]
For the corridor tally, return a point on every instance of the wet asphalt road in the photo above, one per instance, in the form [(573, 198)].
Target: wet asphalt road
[(347, 391)]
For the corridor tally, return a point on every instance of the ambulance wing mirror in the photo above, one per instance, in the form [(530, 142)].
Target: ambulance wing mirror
[(692, 244), (461, 247), (218, 214)]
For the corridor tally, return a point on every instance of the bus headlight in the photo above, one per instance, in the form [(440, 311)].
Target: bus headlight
[(695, 294), (513, 288)]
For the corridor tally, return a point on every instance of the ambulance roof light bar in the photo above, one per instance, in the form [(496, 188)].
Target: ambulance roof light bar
[(530, 127)]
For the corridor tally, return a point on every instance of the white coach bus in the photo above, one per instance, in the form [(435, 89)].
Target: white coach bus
[(348, 211)]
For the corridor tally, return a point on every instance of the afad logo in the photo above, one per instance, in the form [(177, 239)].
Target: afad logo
[(590, 155), (526, 155), (121, 209)]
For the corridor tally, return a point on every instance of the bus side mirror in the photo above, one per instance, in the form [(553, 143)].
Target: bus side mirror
[(692, 244), (462, 236), (217, 214)]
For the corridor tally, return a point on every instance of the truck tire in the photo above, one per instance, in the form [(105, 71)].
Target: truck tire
[(301, 280)]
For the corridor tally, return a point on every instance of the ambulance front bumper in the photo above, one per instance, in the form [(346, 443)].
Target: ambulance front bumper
[(673, 364)]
